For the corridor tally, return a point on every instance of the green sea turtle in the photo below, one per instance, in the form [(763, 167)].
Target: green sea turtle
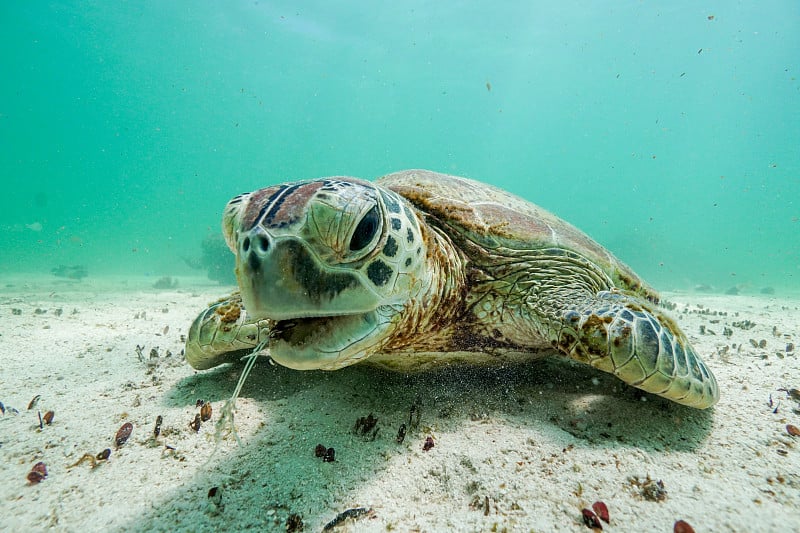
[(419, 268)]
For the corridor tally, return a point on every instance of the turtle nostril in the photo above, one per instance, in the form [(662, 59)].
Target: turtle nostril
[(246, 244), (263, 243)]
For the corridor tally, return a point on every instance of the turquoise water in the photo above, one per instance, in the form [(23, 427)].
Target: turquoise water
[(670, 131)]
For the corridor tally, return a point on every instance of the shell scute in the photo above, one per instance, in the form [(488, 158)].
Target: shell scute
[(492, 218)]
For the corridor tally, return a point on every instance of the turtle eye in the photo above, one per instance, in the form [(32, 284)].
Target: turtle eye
[(365, 231)]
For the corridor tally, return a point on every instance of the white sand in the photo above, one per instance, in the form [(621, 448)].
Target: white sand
[(538, 442)]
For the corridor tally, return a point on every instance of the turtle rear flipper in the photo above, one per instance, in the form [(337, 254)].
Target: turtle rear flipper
[(625, 336), (223, 333)]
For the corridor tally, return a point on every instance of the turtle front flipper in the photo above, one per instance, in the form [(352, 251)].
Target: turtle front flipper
[(627, 337), (222, 333)]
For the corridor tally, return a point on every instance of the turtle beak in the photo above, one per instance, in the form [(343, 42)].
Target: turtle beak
[(253, 258), (281, 278)]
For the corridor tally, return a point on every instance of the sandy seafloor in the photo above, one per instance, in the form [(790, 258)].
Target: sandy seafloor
[(520, 448)]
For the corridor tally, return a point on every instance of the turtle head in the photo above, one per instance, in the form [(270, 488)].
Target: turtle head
[(331, 261)]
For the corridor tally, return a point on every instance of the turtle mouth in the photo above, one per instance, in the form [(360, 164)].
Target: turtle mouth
[(324, 342), (306, 330)]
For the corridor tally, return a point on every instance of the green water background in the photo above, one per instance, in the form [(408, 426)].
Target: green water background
[(668, 131)]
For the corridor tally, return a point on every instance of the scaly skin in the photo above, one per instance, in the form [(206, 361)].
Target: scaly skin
[(627, 337), (218, 336)]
